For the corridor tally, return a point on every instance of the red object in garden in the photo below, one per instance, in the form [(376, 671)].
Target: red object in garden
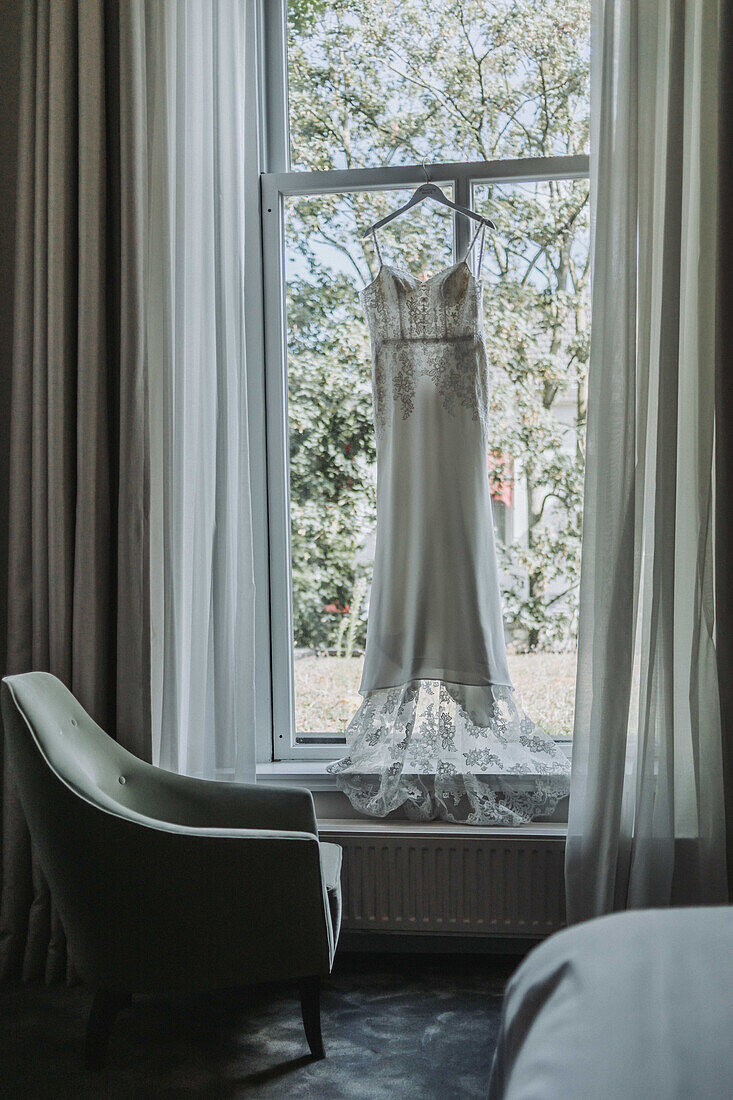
[(501, 480), (336, 609)]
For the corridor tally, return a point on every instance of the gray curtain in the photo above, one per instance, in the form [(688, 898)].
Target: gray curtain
[(78, 591), (646, 822)]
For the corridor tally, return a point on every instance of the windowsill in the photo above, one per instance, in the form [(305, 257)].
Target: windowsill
[(334, 814), (367, 826)]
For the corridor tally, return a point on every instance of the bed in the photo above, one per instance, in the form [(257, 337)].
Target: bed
[(635, 1005)]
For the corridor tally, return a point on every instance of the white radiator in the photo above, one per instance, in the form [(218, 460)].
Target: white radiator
[(442, 880)]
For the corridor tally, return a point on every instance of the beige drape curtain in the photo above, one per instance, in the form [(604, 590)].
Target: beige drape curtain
[(724, 416), (78, 594), (646, 821)]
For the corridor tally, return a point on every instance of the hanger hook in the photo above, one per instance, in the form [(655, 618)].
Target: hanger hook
[(427, 174)]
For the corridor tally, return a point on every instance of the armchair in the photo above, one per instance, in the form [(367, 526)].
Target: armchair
[(163, 882)]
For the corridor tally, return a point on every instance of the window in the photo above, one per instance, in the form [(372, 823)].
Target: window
[(363, 97)]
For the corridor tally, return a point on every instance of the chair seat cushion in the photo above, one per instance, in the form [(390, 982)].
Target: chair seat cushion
[(331, 868)]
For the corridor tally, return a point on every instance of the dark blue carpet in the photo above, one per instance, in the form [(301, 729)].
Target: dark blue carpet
[(394, 1027)]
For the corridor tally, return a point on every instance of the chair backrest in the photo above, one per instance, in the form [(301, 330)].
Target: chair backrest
[(47, 725), (63, 765)]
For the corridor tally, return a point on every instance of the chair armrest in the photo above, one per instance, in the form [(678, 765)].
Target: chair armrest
[(187, 908)]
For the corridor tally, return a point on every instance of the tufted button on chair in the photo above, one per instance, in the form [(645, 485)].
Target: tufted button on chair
[(163, 882)]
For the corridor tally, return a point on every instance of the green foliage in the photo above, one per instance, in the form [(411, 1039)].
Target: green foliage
[(396, 81), (332, 452), (393, 81)]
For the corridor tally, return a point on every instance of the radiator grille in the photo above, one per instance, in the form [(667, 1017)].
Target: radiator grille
[(491, 886)]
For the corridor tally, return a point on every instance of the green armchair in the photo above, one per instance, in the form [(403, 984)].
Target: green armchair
[(163, 882)]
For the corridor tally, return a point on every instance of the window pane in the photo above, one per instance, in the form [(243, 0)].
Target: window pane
[(332, 446), (537, 324), (376, 82)]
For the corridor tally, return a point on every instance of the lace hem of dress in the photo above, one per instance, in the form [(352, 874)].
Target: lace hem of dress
[(460, 753)]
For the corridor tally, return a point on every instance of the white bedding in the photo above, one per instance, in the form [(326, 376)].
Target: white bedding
[(635, 1005)]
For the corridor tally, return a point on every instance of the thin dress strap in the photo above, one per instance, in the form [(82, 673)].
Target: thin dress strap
[(482, 230), (376, 245)]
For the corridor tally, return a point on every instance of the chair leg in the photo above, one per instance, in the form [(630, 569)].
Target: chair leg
[(106, 1006), (310, 1004)]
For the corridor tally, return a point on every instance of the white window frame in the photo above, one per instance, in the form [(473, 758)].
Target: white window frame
[(267, 344)]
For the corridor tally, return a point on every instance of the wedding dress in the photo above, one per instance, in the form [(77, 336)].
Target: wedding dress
[(439, 733)]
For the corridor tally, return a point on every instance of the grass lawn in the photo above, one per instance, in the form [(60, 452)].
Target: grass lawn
[(327, 691)]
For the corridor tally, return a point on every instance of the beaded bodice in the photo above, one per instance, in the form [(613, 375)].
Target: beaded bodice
[(426, 332)]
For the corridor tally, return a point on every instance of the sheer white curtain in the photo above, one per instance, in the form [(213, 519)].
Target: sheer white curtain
[(205, 605), (646, 809)]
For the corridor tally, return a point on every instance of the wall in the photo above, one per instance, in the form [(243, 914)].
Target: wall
[(10, 20)]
